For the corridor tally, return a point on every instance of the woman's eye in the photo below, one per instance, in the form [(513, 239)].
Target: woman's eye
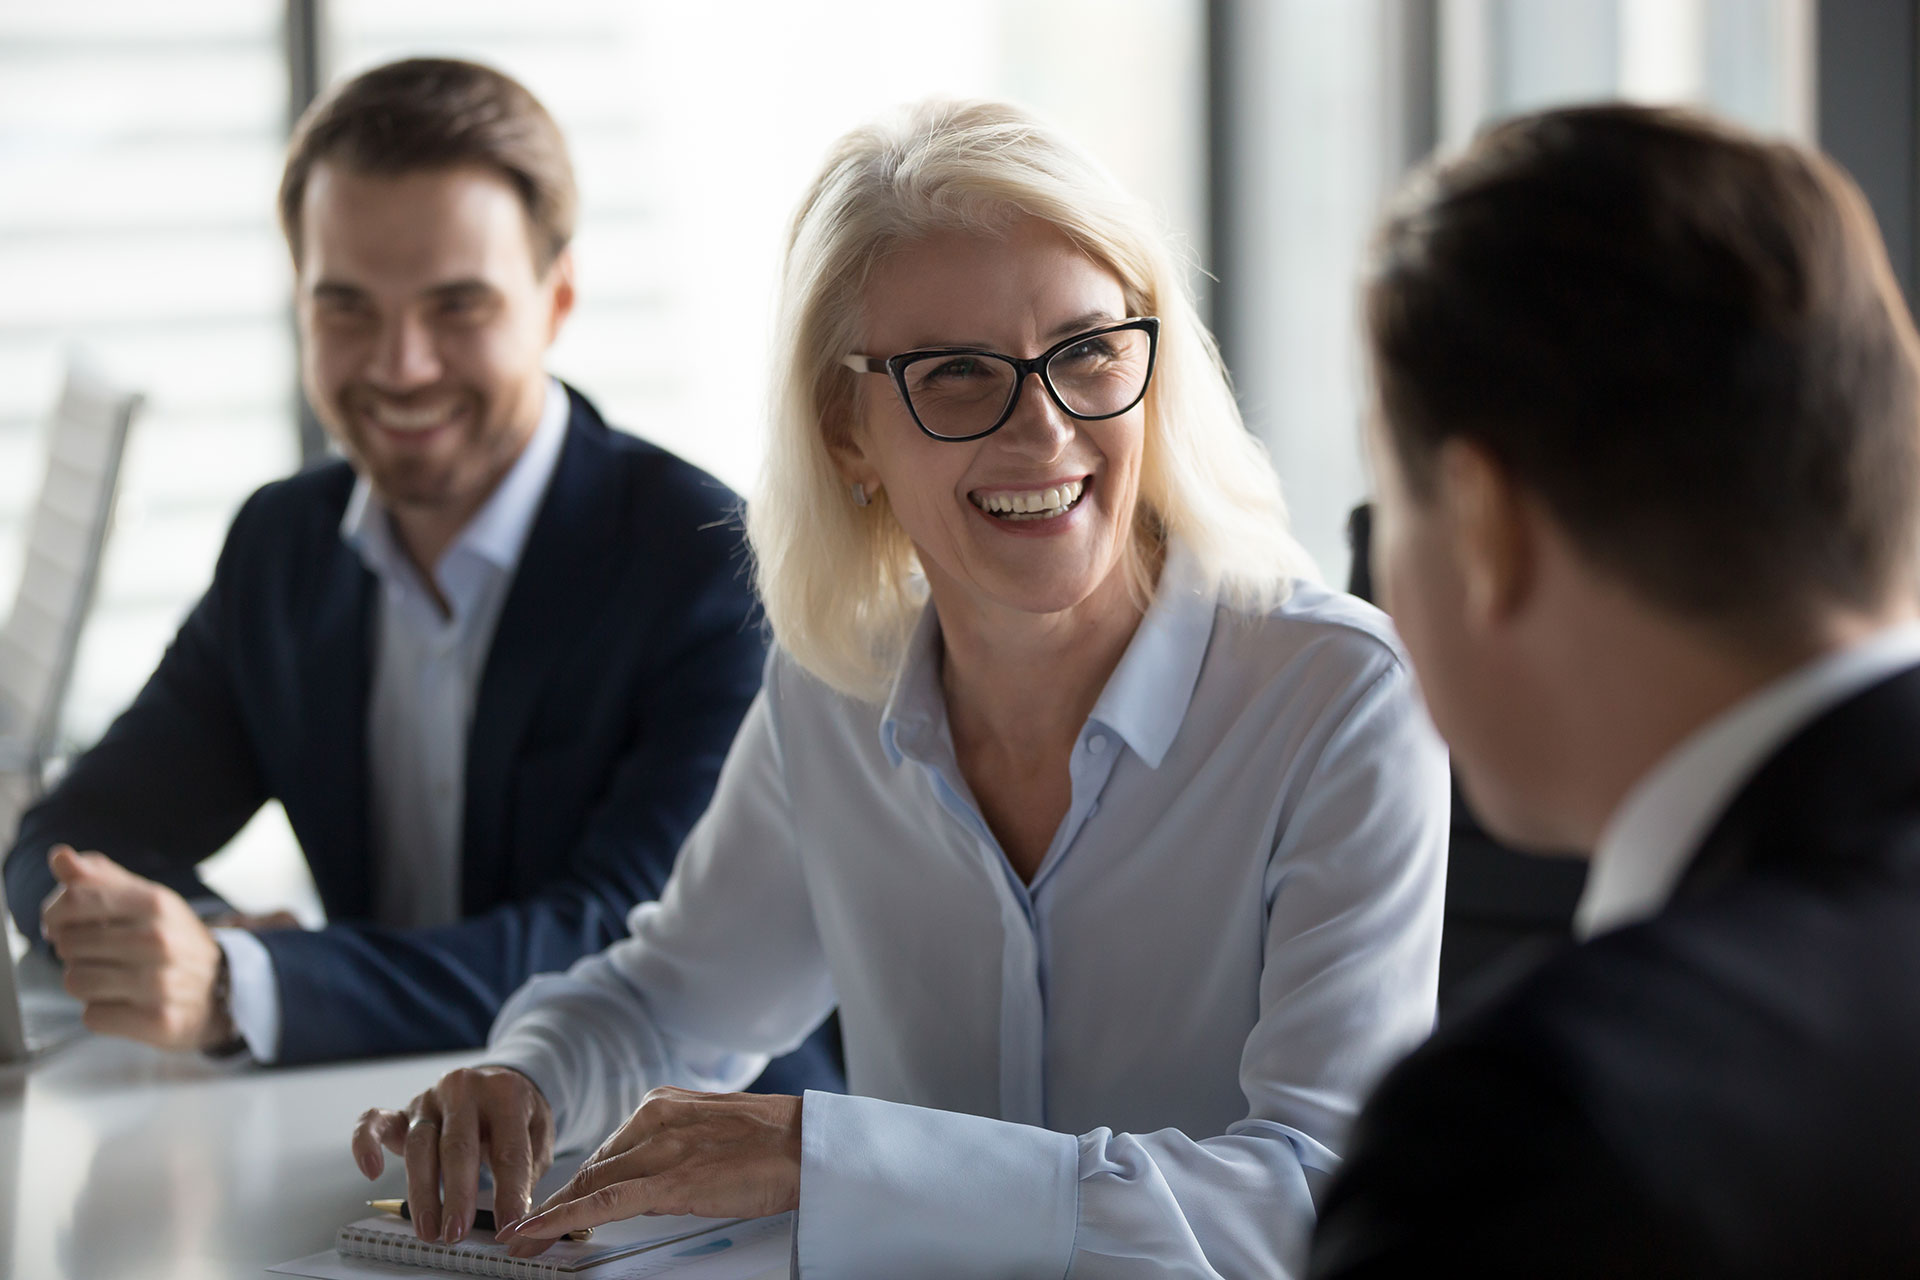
[(1091, 352), (955, 370)]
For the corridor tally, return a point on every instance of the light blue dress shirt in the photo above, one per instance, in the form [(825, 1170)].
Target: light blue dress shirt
[(1139, 1064), (425, 674)]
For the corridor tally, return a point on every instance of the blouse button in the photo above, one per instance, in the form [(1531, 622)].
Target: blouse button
[(1097, 743)]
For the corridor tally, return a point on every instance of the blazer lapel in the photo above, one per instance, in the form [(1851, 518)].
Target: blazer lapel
[(555, 593), (333, 821)]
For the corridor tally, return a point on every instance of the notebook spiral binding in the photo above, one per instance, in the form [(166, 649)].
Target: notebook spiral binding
[(394, 1246)]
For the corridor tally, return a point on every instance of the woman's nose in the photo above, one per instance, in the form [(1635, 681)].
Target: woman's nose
[(1037, 426)]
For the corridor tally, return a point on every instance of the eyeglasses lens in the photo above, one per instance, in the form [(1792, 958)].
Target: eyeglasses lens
[(966, 394)]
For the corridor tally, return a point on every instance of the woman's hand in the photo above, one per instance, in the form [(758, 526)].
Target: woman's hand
[(719, 1155), (490, 1115)]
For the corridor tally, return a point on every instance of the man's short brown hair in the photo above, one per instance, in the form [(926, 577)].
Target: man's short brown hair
[(1686, 341), (438, 113)]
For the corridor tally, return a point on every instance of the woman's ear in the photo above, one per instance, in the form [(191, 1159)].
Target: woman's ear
[(851, 460)]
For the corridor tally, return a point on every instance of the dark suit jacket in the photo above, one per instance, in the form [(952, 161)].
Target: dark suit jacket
[(1729, 1089), (626, 653)]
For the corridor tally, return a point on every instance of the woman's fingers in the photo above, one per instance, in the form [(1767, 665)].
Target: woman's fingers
[(628, 1166), (459, 1168), (717, 1155), (480, 1115), (611, 1203), (660, 1109), (517, 1124), (423, 1170), (638, 1147), (378, 1128), (512, 1153)]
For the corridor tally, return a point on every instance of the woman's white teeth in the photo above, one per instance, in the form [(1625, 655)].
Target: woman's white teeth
[(1034, 502)]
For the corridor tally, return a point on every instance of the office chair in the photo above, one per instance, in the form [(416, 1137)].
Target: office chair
[(66, 537)]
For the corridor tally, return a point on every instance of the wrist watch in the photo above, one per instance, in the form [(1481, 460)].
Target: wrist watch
[(227, 1042)]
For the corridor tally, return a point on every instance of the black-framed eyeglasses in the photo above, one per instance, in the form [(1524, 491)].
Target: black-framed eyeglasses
[(964, 393)]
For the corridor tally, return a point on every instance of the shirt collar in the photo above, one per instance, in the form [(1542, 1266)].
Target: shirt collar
[(1650, 837), (1145, 699), (1147, 695), (498, 532), (915, 716)]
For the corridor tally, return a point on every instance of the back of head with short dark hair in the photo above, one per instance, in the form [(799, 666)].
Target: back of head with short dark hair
[(1684, 340), (438, 113)]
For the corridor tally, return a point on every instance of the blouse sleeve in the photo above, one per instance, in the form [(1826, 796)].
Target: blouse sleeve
[(720, 974), (1348, 982)]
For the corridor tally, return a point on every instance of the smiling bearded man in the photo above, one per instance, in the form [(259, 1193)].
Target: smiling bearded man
[(489, 664)]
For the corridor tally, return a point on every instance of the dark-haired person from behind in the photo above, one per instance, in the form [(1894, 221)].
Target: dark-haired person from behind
[(1648, 446), (489, 663)]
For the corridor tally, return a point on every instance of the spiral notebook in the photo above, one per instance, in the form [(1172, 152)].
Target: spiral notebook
[(387, 1239)]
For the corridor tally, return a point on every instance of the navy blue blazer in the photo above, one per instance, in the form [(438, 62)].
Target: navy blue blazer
[(626, 653), (1724, 1090)]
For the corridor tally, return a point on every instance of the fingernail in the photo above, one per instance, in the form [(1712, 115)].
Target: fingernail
[(456, 1231), (428, 1223)]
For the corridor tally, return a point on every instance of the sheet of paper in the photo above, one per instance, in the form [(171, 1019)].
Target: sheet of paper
[(331, 1266), (755, 1250)]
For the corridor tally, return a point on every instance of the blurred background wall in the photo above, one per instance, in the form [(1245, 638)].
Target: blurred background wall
[(140, 147)]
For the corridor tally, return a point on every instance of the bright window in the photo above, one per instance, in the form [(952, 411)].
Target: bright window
[(1328, 100), (696, 127), (141, 145)]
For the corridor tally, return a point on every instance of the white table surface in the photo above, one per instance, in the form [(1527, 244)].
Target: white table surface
[(120, 1161)]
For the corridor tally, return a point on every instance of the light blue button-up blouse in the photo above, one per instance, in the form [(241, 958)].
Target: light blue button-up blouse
[(1138, 1064)]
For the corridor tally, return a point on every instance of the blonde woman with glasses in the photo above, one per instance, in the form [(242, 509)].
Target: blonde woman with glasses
[(1118, 844)]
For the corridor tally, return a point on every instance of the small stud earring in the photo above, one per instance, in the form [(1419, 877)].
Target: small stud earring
[(860, 498)]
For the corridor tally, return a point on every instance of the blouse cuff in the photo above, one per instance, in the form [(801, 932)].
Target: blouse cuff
[(889, 1190)]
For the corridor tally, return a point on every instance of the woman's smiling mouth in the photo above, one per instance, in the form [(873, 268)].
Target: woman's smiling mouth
[(1046, 503)]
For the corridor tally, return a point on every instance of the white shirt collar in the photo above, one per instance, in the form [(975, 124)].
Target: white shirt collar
[(1145, 700), (1657, 828), (498, 532)]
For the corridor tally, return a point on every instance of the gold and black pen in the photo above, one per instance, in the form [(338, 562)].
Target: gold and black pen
[(482, 1218)]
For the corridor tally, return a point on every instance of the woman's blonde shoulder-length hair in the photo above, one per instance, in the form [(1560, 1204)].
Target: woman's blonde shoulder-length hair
[(841, 582)]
